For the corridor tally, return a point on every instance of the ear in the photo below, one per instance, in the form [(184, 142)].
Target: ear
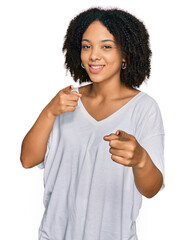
[(123, 60)]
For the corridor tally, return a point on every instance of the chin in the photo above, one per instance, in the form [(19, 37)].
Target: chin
[(96, 79)]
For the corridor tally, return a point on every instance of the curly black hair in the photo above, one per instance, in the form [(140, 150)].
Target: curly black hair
[(130, 34)]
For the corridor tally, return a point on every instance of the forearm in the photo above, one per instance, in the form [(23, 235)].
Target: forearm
[(148, 178), (35, 142)]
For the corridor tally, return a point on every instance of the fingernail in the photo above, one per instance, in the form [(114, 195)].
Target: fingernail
[(118, 132)]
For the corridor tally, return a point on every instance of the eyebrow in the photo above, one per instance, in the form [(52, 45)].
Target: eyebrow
[(106, 40)]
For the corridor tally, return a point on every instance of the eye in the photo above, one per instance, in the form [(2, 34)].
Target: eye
[(85, 46), (107, 46)]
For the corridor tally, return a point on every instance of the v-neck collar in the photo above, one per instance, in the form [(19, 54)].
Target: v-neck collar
[(110, 117)]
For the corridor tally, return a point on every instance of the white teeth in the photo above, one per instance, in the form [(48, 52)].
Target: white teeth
[(96, 67)]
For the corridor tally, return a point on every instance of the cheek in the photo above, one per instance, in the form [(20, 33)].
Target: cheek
[(115, 63), (83, 56), (114, 58)]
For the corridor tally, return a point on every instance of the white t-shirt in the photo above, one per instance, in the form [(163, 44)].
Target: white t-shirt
[(88, 196)]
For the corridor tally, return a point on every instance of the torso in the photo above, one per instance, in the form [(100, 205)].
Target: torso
[(100, 111)]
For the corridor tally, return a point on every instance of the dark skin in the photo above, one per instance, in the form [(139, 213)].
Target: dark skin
[(127, 151), (35, 142), (124, 148), (99, 50), (102, 60)]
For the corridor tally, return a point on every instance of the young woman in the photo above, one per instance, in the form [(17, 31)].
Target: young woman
[(101, 144)]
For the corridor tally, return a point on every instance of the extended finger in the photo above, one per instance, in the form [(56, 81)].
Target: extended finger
[(68, 89), (124, 136), (110, 137)]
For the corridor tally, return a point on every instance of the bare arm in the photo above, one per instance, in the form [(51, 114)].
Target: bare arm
[(148, 178), (35, 142), (127, 151)]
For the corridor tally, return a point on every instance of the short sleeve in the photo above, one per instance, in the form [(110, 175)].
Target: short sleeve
[(52, 143), (42, 164), (151, 136)]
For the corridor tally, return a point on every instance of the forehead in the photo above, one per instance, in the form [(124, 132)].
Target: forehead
[(97, 30)]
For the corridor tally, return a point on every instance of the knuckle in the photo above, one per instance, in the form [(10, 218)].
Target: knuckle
[(132, 147), (60, 93), (62, 102), (134, 140), (62, 109), (61, 96), (132, 137), (128, 163), (130, 155)]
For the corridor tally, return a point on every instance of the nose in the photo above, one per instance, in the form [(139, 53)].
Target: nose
[(95, 54)]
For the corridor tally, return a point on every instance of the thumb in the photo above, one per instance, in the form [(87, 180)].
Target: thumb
[(69, 89), (74, 92)]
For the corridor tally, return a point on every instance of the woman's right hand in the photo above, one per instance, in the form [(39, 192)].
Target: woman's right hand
[(64, 101), (35, 142)]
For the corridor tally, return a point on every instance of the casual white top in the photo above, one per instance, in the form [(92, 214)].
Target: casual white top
[(88, 196)]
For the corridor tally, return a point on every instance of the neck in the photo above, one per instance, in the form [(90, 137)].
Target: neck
[(106, 91)]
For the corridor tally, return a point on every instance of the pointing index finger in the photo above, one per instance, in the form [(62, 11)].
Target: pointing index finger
[(110, 137), (124, 136)]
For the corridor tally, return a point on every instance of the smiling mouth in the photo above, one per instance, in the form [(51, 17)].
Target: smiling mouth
[(95, 68)]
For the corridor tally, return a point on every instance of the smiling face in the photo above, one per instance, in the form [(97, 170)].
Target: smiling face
[(100, 54)]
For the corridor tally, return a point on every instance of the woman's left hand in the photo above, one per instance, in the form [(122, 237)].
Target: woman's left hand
[(125, 149)]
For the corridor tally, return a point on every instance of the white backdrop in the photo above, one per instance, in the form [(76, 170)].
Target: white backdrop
[(32, 72)]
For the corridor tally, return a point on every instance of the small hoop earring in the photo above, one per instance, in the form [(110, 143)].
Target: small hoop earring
[(123, 66), (82, 65)]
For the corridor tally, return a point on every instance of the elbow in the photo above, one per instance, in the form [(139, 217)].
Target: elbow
[(151, 194), (25, 162), (29, 161), (24, 157), (154, 189)]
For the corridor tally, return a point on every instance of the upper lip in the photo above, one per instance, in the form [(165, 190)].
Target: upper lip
[(96, 65)]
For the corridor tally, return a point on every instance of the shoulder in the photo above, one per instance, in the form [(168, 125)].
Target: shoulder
[(145, 98), (146, 111), (147, 117), (146, 102)]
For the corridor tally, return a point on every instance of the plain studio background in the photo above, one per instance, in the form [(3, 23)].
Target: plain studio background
[(31, 74)]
